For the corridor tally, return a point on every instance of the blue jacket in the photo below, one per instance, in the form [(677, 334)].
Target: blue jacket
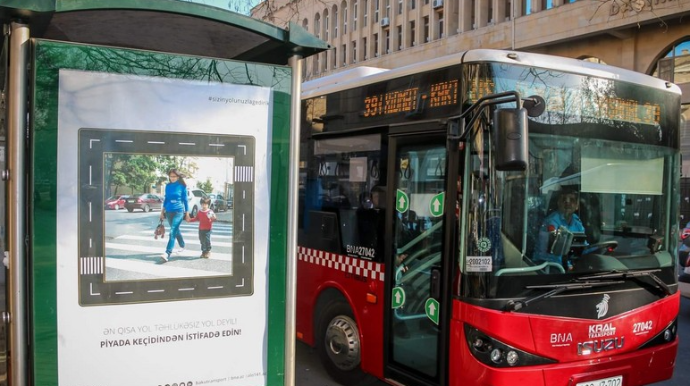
[(176, 198)]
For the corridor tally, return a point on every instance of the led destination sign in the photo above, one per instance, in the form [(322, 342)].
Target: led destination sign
[(410, 99), (597, 105), (570, 98), (597, 100)]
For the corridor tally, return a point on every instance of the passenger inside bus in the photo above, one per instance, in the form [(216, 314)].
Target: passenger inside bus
[(565, 215), (371, 219)]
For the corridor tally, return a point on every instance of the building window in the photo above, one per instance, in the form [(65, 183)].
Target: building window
[(355, 9), (344, 18), (365, 15), (440, 25), (526, 7), (305, 24), (317, 25), (365, 49), (388, 41), (335, 57), (335, 22), (354, 51), (413, 4), (325, 25), (413, 38), (376, 45), (473, 19), (399, 35), (343, 52), (388, 8), (376, 10), (674, 66), (425, 21), (400, 7)]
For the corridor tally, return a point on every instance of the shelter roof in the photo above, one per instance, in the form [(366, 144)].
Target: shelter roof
[(162, 25)]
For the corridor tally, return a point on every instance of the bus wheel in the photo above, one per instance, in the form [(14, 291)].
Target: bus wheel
[(338, 346)]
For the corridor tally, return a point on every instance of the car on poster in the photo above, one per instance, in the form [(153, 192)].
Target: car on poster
[(116, 202), (145, 202), (194, 197), (218, 203)]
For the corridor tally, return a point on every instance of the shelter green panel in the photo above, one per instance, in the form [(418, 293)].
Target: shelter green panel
[(108, 125)]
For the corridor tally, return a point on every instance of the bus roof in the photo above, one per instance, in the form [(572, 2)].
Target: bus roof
[(340, 81), (343, 77)]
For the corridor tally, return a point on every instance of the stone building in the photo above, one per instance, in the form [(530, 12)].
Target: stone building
[(647, 36)]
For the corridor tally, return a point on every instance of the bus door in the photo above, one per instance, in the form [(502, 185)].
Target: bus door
[(418, 184)]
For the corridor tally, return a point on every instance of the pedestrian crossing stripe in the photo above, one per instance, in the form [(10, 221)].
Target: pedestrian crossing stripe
[(91, 265), (189, 239), (347, 264)]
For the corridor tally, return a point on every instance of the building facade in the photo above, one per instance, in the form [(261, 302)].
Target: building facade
[(647, 36)]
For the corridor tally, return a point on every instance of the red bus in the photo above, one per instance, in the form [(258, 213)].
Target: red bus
[(490, 218)]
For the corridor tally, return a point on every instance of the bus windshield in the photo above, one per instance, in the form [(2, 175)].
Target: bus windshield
[(598, 195)]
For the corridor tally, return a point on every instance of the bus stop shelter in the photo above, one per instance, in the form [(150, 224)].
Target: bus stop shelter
[(108, 85)]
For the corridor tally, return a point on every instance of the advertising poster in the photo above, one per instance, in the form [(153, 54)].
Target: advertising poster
[(124, 314)]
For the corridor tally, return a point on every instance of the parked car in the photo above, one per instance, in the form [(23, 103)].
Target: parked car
[(116, 202), (218, 203), (146, 202), (194, 197)]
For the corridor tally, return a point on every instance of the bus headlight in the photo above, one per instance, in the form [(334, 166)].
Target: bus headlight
[(496, 356), (512, 358), (492, 352)]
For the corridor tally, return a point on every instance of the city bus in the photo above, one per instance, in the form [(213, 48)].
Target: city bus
[(425, 252)]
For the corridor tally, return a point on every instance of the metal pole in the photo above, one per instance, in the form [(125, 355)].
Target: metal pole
[(16, 200), (293, 187)]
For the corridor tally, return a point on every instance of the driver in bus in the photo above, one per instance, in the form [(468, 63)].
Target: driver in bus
[(568, 202)]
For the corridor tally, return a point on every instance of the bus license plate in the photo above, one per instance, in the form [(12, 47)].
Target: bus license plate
[(613, 381)]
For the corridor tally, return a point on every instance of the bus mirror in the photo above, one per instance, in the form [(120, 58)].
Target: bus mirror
[(511, 139)]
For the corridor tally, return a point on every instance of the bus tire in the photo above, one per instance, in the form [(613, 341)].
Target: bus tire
[(338, 344)]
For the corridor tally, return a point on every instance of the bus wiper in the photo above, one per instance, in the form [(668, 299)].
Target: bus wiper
[(616, 274), (555, 290)]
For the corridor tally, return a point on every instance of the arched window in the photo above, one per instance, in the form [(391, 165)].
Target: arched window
[(355, 11), (343, 6), (326, 24), (335, 21), (305, 24), (317, 25), (674, 65)]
